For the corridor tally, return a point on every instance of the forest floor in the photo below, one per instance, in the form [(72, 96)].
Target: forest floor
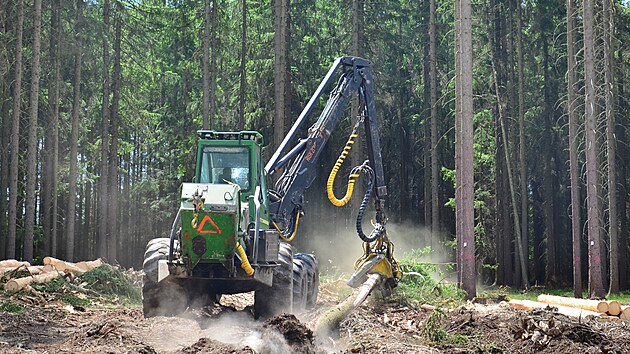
[(52, 323)]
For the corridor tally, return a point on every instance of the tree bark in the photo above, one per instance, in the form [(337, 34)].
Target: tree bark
[(596, 284), (281, 71), (74, 135), (31, 154), (576, 225), (464, 145)]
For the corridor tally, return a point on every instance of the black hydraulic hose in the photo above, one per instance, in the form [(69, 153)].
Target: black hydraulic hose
[(378, 229)]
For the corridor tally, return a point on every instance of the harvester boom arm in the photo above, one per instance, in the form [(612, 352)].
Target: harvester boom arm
[(301, 161)]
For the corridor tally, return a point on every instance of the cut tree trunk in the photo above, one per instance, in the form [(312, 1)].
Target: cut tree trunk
[(614, 308), (600, 306), (31, 269), (13, 263), (528, 305), (15, 285), (80, 267)]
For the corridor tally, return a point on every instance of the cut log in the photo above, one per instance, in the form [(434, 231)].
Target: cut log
[(600, 306), (89, 265), (15, 285), (614, 308), (625, 313), (50, 260), (528, 305), (31, 269), (13, 263), (331, 319), (80, 267), (427, 307)]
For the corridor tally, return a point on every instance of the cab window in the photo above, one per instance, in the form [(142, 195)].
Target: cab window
[(223, 164)]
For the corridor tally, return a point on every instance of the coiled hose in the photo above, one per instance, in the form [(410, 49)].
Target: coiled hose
[(333, 173), (378, 228)]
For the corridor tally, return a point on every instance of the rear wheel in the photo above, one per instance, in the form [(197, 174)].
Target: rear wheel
[(300, 285), (279, 297), (163, 298), (312, 271)]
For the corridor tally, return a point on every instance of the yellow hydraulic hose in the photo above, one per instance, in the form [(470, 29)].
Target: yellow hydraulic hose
[(333, 173), (244, 261), (290, 238)]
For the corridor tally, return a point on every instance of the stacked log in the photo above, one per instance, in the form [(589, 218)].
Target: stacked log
[(580, 308), (529, 305), (51, 269)]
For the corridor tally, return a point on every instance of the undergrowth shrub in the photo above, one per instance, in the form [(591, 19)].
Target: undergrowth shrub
[(109, 280), (417, 285)]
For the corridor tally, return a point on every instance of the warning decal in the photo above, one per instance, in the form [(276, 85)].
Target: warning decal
[(211, 229)]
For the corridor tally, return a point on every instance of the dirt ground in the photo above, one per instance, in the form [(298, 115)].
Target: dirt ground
[(376, 327)]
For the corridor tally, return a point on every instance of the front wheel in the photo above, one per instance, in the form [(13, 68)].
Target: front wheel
[(160, 298), (279, 297)]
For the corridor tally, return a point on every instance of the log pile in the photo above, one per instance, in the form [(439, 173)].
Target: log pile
[(51, 269), (579, 308)]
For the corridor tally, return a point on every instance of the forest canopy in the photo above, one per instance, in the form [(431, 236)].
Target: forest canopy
[(100, 102)]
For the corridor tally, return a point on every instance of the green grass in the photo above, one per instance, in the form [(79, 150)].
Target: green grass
[(8, 306)]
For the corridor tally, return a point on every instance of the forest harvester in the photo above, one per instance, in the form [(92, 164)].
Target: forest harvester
[(232, 232)]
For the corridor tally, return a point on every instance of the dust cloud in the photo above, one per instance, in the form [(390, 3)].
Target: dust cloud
[(169, 334)]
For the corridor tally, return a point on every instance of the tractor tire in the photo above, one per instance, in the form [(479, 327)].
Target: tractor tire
[(163, 298), (312, 271), (278, 298), (300, 285)]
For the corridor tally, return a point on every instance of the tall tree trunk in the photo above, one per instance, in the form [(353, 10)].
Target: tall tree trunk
[(609, 83), (49, 184), (549, 185), (213, 66), (464, 147), (596, 284), (426, 159), (435, 172), (5, 92), (112, 178), (521, 130), (103, 219), (515, 214), (15, 135), (31, 154), (576, 225), (74, 136), (243, 83), (281, 71), (206, 64)]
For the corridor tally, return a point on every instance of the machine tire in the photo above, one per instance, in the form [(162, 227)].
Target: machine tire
[(155, 296), (278, 298), (312, 271), (300, 285)]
